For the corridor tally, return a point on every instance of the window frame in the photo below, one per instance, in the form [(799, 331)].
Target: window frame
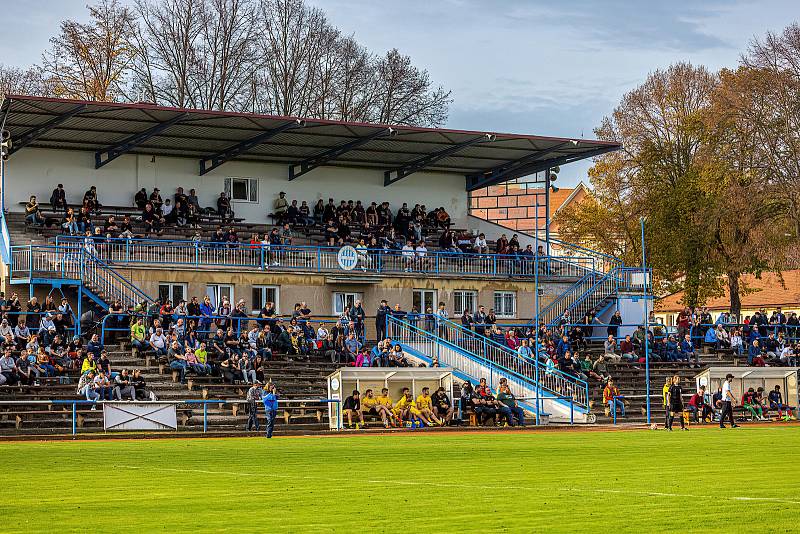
[(422, 292), (171, 290), (503, 313), (252, 189), (356, 296), (231, 298), (462, 293), (263, 289)]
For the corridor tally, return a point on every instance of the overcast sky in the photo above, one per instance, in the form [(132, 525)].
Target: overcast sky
[(520, 66)]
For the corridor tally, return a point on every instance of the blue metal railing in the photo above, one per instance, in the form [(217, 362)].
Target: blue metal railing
[(74, 262), (324, 259), (492, 354), (5, 241)]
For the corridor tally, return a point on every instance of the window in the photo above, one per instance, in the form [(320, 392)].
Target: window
[(505, 303), (464, 300), (242, 189), (424, 299), (216, 291), (170, 291), (345, 301), (264, 294)]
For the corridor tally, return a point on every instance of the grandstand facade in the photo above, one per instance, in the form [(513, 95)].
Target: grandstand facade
[(231, 254)]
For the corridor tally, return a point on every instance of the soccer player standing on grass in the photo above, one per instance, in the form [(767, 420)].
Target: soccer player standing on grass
[(270, 400), (728, 401), (675, 402)]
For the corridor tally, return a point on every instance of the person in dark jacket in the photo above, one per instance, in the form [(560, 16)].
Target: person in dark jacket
[(380, 320)]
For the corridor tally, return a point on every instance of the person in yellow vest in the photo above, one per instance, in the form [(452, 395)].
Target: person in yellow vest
[(423, 408), (384, 406), (665, 397), (402, 409)]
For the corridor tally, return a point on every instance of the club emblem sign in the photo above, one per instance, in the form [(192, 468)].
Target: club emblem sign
[(347, 258)]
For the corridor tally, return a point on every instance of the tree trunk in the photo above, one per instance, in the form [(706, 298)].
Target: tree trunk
[(733, 291)]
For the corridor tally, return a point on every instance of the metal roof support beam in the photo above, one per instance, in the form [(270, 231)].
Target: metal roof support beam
[(32, 135), (296, 170), (510, 167), (395, 175), (109, 154), (212, 162), (478, 181)]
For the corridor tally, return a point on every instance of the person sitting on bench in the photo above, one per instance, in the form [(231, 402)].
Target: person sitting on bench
[(699, 407), (58, 200), (352, 408), (776, 403), (32, 214)]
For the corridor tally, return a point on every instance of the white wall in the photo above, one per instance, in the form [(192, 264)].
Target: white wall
[(494, 230), (37, 171)]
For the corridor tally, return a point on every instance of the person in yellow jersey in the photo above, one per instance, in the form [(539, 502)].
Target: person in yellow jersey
[(369, 406), (384, 407), (665, 394), (402, 409), (423, 408)]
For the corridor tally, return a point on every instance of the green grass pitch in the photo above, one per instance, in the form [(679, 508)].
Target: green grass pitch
[(602, 481)]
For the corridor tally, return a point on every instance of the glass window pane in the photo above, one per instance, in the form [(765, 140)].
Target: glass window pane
[(163, 292), (178, 293), (240, 189), (257, 302)]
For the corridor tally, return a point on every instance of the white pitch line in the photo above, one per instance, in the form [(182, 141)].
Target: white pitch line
[(460, 486)]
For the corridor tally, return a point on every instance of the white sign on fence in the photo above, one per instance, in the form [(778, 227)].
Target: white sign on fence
[(139, 416)]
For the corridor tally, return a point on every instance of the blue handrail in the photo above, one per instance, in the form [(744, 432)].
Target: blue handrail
[(187, 252)]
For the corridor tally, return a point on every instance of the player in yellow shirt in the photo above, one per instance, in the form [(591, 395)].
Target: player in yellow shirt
[(384, 407), (423, 409), (402, 409), (370, 406)]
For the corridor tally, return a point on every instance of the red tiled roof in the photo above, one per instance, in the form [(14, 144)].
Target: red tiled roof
[(768, 292)]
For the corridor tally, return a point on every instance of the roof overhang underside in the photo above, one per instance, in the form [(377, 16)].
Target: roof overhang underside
[(212, 137)]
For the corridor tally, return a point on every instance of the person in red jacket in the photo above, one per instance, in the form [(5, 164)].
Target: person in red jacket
[(699, 407)]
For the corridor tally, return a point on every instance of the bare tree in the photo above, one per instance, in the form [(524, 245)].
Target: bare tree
[(356, 87), (91, 61), (292, 43), (774, 110), (405, 95), (30, 81), (167, 41), (228, 55)]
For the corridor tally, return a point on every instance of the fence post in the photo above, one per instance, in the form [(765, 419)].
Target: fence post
[(196, 253), (571, 410), (74, 424), (614, 409), (205, 416), (319, 259)]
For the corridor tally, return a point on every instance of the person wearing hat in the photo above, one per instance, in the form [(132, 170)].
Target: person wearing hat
[(253, 397), (281, 207)]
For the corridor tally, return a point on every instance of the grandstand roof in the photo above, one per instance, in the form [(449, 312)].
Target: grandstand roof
[(214, 137)]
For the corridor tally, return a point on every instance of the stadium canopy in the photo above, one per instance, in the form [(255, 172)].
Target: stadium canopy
[(215, 137)]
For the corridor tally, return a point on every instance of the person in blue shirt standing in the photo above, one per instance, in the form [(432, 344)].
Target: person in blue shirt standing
[(270, 400)]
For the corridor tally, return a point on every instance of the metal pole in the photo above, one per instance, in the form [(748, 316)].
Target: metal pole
[(646, 319), (205, 417), (536, 325), (571, 410), (547, 211), (74, 424)]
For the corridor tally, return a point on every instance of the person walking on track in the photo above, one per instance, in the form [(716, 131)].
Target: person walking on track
[(728, 402), (270, 400)]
